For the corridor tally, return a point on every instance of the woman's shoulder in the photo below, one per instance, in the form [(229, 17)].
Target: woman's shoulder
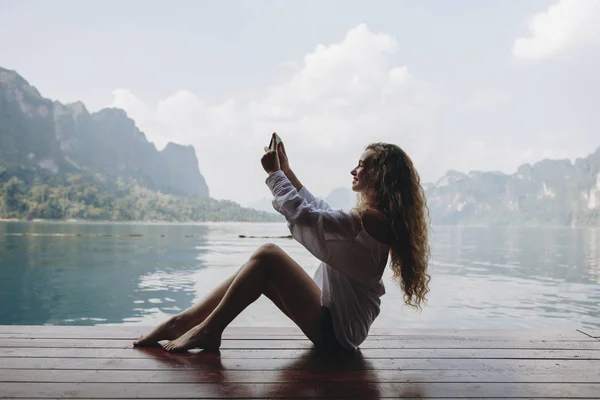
[(376, 224)]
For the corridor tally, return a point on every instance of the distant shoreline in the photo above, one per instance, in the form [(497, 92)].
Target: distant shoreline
[(108, 221), (94, 221)]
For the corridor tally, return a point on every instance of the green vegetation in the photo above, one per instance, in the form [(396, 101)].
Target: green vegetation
[(27, 194)]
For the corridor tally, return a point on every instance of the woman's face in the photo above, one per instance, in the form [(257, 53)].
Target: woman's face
[(360, 182)]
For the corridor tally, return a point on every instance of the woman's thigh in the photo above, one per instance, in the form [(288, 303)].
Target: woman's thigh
[(293, 291)]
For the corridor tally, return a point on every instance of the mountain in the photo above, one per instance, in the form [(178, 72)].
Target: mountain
[(549, 192), (37, 133), (59, 161), (341, 198)]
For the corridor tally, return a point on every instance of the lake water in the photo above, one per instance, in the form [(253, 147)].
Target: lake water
[(95, 273)]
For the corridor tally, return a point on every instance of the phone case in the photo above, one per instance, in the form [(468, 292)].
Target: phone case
[(274, 142)]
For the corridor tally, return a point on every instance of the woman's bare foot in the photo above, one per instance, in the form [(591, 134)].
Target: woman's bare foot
[(197, 337), (168, 330)]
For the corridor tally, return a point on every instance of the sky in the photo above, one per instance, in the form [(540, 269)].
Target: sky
[(460, 85)]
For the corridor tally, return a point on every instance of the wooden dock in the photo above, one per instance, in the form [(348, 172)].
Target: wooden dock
[(100, 363)]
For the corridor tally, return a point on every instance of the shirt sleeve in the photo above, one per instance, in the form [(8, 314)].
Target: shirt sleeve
[(330, 235), (318, 203)]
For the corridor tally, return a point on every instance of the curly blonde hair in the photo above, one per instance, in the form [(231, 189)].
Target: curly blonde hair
[(397, 193)]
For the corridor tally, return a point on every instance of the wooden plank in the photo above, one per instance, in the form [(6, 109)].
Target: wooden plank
[(301, 390), (406, 396), (226, 335), (88, 332), (287, 398), (130, 331), (207, 362), (134, 331), (371, 341), (589, 344), (255, 353), (556, 375), (99, 362)]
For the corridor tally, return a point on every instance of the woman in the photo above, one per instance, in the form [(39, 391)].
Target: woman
[(337, 308)]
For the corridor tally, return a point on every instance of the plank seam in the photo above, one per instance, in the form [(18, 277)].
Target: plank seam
[(296, 358)]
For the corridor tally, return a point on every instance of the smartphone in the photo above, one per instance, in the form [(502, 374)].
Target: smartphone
[(274, 142)]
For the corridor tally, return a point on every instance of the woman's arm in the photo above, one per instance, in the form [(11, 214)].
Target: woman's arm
[(302, 190), (330, 235), (293, 178)]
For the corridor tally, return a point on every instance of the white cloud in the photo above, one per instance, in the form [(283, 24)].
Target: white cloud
[(336, 100), (342, 90), (182, 118), (566, 23), (343, 96), (485, 100)]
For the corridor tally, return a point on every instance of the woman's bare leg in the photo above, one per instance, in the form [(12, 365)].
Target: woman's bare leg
[(178, 324), (198, 313), (269, 271)]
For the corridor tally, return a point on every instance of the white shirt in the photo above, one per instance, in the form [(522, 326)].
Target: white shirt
[(352, 261)]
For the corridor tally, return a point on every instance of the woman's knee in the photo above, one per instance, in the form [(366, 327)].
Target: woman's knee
[(269, 254)]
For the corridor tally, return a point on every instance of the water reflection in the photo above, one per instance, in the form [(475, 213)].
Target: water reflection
[(79, 273), (567, 255), (310, 374), (100, 278)]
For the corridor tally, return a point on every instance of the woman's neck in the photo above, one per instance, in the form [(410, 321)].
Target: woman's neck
[(367, 204)]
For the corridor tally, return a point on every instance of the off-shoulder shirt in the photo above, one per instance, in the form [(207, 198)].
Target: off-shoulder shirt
[(352, 261)]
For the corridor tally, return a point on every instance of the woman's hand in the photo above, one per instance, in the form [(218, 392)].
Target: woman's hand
[(270, 161), (283, 158), (284, 165)]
